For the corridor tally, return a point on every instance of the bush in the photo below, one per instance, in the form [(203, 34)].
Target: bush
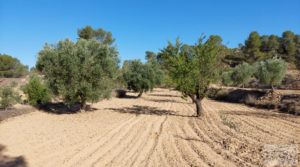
[(8, 97), (36, 91)]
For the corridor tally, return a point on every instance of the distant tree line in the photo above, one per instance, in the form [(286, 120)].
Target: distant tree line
[(261, 47), (11, 67)]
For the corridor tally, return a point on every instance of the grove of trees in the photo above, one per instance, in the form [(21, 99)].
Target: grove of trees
[(261, 47), (11, 67), (87, 70)]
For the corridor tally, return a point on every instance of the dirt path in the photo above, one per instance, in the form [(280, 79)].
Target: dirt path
[(156, 130)]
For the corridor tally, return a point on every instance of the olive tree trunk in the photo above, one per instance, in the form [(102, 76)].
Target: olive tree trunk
[(82, 103)]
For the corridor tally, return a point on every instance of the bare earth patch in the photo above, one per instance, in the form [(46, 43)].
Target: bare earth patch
[(155, 130)]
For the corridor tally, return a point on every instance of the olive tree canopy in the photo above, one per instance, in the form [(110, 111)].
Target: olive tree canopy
[(79, 72)]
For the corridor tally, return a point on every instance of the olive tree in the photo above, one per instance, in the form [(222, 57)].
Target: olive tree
[(271, 72), (79, 72), (194, 68), (242, 74), (138, 77)]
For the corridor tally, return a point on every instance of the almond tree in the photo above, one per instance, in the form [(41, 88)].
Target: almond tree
[(194, 68)]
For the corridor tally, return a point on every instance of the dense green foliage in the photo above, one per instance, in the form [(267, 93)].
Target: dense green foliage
[(98, 34), (139, 77), (193, 68), (268, 72), (252, 47), (159, 77), (261, 47), (83, 71), (226, 78), (242, 74), (36, 91), (8, 97), (271, 71), (11, 67)]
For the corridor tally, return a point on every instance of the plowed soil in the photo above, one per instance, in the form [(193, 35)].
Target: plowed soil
[(156, 130)]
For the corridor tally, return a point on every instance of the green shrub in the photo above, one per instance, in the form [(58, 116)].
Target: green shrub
[(242, 74), (271, 72), (36, 91), (8, 97), (227, 78)]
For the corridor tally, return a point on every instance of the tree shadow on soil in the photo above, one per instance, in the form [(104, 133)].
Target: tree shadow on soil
[(163, 95), (146, 110), (7, 161), (128, 97), (167, 101), (61, 108)]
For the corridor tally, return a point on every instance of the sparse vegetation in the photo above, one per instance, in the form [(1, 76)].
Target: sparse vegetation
[(8, 97), (228, 122)]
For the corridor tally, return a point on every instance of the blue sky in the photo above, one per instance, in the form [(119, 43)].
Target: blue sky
[(139, 25)]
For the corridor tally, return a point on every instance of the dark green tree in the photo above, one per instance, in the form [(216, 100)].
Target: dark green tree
[(139, 77), (98, 34), (79, 72), (252, 47), (273, 44), (289, 46)]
